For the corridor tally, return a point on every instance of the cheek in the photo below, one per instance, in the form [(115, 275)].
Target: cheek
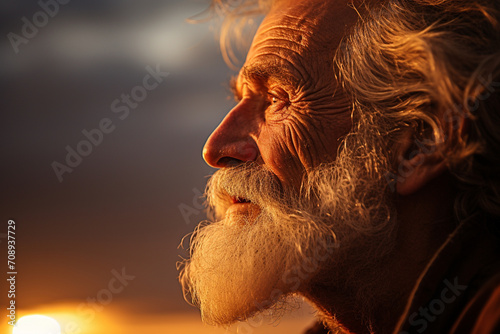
[(333, 132), (291, 147), (277, 148)]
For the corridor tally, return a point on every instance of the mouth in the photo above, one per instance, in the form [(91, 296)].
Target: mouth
[(239, 200), (243, 207)]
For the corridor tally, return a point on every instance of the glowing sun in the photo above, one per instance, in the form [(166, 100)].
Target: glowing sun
[(36, 324)]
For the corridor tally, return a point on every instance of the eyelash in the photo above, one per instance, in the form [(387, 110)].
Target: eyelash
[(277, 103), (275, 97)]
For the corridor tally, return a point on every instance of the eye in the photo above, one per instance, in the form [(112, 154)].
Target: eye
[(278, 103), (278, 97)]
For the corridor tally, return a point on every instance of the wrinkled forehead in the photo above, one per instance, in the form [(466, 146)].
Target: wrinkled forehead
[(302, 33), (307, 24)]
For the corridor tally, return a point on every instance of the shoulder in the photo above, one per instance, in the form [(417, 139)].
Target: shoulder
[(482, 313)]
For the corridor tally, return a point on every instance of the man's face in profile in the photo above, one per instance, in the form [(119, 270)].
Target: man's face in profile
[(277, 154)]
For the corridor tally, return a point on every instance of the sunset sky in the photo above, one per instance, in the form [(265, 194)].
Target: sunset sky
[(120, 207)]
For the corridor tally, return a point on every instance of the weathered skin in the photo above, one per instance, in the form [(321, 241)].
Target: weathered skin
[(291, 115)]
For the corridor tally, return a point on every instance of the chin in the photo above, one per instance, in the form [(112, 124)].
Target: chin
[(269, 243), (249, 262)]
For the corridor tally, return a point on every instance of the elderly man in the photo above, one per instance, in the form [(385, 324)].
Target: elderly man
[(359, 169)]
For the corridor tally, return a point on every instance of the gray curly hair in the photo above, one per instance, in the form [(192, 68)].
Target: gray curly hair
[(434, 66), (428, 66)]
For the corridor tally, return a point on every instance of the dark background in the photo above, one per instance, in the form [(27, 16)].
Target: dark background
[(121, 207)]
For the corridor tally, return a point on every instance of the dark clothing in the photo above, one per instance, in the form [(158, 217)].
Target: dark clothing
[(459, 291)]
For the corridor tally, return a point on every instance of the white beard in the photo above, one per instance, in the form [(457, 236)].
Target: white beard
[(238, 270), (241, 265)]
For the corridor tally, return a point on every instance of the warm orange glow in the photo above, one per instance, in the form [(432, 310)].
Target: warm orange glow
[(119, 318), (70, 317), (36, 323)]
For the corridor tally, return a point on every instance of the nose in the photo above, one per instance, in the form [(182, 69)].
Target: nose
[(232, 142)]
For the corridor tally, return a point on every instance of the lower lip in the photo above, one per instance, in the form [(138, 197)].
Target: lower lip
[(248, 209)]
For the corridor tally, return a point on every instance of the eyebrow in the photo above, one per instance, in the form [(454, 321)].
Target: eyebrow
[(269, 71), (262, 73)]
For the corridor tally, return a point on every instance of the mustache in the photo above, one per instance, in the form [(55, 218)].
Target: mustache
[(248, 181)]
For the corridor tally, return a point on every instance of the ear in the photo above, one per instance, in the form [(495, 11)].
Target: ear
[(419, 162), (416, 172)]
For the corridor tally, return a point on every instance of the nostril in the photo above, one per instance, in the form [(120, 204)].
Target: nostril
[(228, 162), (225, 149)]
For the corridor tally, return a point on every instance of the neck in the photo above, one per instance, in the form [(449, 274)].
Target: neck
[(369, 294)]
